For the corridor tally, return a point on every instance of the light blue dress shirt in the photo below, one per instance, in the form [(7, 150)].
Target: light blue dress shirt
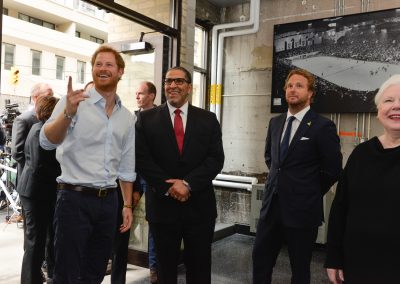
[(96, 150)]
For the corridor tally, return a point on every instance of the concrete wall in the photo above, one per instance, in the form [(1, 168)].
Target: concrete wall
[(247, 78), (247, 81)]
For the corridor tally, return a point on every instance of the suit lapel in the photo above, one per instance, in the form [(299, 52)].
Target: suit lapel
[(303, 127), (167, 124), (190, 123)]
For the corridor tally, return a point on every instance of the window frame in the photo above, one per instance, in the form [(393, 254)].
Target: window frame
[(58, 71), (8, 65), (36, 70), (80, 71), (201, 69), (36, 21), (96, 39)]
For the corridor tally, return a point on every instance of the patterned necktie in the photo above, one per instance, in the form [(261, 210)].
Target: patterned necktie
[(178, 129), (286, 138)]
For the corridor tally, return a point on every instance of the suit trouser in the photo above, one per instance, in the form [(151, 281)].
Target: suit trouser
[(119, 256), (151, 248), (197, 238), (84, 232), (152, 252), (271, 234), (38, 227)]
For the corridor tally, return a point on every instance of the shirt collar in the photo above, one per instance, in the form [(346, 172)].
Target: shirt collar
[(183, 108), (300, 115), (95, 97)]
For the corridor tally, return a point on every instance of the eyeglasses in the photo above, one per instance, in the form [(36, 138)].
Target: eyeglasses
[(178, 81)]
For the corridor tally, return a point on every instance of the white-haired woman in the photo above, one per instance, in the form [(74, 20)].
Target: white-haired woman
[(364, 232)]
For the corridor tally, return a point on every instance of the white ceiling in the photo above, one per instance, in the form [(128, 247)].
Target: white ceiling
[(227, 3)]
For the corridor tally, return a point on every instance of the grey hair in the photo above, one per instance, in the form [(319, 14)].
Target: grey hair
[(394, 80), (38, 88)]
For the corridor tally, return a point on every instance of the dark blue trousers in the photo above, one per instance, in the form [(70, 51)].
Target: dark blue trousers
[(119, 255), (270, 236), (84, 232)]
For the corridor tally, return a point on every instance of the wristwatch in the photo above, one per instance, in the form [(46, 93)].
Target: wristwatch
[(187, 184), (66, 115)]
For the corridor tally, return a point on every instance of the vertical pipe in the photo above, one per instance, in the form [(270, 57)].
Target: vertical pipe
[(338, 124), (214, 49), (363, 128), (356, 136), (343, 7), (369, 126), (335, 7)]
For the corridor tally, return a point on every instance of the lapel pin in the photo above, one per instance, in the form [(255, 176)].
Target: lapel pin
[(309, 123)]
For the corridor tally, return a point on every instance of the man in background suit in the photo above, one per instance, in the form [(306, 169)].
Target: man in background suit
[(36, 188), (303, 155), (145, 96), (20, 129), (179, 153), (23, 123)]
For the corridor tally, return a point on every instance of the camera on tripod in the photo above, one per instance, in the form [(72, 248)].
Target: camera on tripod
[(10, 114), (7, 119)]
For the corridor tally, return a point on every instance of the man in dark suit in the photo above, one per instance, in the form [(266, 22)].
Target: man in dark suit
[(23, 123), (303, 155), (145, 96), (179, 153), (20, 129), (36, 188)]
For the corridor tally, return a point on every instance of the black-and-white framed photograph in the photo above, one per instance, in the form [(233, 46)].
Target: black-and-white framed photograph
[(350, 56)]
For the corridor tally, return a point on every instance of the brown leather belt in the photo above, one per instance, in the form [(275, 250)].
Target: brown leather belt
[(99, 192)]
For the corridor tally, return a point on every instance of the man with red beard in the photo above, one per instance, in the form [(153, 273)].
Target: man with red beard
[(95, 141), (303, 155)]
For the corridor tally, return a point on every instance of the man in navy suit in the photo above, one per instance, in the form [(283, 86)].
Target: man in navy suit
[(303, 155), (179, 153)]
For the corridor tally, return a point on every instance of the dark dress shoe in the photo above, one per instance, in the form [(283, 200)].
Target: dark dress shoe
[(153, 276)]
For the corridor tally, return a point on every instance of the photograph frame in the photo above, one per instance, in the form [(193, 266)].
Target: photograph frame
[(350, 56)]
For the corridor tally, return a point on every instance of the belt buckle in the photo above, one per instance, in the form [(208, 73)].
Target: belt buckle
[(102, 192)]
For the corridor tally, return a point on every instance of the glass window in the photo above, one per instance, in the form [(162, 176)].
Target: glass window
[(36, 21), (36, 61), (60, 67), (96, 39), (9, 53), (199, 47), (23, 17), (200, 67), (49, 25), (198, 92), (81, 72)]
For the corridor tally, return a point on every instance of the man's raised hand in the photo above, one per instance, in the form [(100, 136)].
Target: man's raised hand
[(73, 98)]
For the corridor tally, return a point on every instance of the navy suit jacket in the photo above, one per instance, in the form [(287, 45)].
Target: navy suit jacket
[(158, 159), (312, 165)]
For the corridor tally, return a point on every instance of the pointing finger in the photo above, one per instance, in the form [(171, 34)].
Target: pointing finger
[(69, 88)]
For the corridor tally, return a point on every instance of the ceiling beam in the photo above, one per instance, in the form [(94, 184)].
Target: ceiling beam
[(125, 12)]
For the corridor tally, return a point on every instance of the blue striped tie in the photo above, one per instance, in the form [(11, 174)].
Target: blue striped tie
[(286, 138)]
